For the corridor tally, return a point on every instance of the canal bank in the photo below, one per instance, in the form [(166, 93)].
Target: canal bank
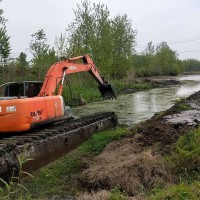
[(135, 165), (155, 155)]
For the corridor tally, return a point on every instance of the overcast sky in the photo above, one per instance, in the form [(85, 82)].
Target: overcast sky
[(173, 21)]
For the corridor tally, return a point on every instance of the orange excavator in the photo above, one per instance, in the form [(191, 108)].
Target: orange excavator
[(27, 104)]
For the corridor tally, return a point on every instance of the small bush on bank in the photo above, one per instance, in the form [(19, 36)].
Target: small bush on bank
[(122, 84), (98, 141), (179, 192), (186, 157), (185, 162)]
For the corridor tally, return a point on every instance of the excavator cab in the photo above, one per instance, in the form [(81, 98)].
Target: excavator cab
[(24, 89), (107, 91)]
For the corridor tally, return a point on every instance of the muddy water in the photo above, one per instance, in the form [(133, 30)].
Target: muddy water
[(136, 107)]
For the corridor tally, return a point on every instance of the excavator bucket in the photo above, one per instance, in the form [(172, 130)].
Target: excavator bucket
[(107, 91)]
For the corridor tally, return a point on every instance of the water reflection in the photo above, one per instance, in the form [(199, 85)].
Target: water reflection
[(190, 86), (186, 90), (189, 78), (136, 107)]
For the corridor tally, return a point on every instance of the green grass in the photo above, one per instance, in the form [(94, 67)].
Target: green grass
[(56, 179), (120, 85), (116, 194), (178, 192), (186, 156), (183, 106), (98, 141), (185, 163)]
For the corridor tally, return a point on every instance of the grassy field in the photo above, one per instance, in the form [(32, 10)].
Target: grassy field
[(61, 179)]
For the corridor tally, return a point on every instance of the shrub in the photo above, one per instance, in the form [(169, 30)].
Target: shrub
[(186, 157), (179, 192)]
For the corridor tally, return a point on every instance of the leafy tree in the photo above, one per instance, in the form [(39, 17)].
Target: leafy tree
[(41, 64), (85, 34), (22, 60), (161, 60), (61, 46), (5, 47), (191, 65), (5, 50), (4, 44), (81, 30), (150, 49), (43, 56), (166, 59), (109, 41), (147, 61), (38, 45), (2, 18), (102, 43), (22, 65), (123, 42)]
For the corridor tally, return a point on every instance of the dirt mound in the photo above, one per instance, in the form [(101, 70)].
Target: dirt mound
[(195, 96), (123, 164), (165, 128), (158, 83), (159, 132)]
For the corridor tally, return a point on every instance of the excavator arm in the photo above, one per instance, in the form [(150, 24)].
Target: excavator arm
[(57, 72)]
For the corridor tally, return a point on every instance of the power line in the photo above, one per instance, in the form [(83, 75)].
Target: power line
[(189, 51), (180, 52), (177, 41)]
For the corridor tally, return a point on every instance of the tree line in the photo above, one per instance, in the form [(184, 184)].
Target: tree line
[(111, 42)]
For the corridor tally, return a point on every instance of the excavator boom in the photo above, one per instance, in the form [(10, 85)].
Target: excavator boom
[(57, 72)]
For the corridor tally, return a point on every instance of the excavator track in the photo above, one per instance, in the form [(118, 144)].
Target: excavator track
[(41, 147)]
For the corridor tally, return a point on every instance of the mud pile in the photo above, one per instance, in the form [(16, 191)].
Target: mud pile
[(126, 165), (165, 128)]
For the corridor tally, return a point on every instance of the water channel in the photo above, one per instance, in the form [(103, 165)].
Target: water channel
[(136, 107)]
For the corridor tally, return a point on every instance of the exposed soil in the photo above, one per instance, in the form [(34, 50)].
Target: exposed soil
[(135, 164), (154, 83), (158, 83)]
